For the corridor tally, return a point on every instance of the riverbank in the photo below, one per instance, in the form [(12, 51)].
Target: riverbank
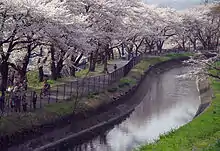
[(198, 134)]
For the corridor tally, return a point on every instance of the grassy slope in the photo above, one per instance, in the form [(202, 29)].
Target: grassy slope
[(176, 55), (198, 134)]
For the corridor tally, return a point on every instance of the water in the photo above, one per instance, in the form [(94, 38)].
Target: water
[(171, 101)]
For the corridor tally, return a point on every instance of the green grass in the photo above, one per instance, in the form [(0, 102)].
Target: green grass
[(16, 122), (176, 55), (34, 83), (85, 72), (197, 135), (144, 64), (98, 70)]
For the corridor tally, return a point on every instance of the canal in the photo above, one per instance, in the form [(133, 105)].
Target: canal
[(171, 100)]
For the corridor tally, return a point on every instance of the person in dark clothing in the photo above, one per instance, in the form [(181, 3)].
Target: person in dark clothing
[(2, 104), (25, 85), (46, 88), (24, 103), (13, 101), (34, 99), (115, 67), (17, 104)]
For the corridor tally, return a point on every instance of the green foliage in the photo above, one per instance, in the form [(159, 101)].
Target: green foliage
[(62, 108), (174, 55), (82, 73), (213, 147), (177, 55), (85, 72), (126, 82), (33, 80), (19, 121)]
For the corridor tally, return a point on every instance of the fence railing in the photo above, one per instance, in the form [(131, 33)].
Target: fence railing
[(71, 89)]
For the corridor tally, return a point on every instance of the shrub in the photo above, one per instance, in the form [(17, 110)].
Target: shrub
[(112, 90)]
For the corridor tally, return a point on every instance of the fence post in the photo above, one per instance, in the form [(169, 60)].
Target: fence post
[(104, 82), (30, 99), (88, 81), (109, 78), (57, 94), (94, 86), (9, 99), (82, 93), (64, 89), (41, 99), (77, 88), (99, 85), (49, 97), (71, 87)]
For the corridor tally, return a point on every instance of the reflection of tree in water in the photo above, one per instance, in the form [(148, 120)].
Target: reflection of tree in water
[(103, 139)]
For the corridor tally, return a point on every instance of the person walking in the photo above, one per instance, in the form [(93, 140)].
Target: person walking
[(34, 100), (24, 103), (17, 103), (115, 67), (46, 88), (25, 85)]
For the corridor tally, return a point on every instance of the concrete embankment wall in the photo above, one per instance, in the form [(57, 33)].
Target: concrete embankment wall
[(206, 95)]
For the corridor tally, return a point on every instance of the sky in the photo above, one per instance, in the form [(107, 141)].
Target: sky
[(177, 4)]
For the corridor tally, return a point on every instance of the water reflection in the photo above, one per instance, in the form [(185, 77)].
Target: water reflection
[(170, 102)]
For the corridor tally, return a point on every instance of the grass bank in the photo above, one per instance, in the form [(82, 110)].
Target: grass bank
[(202, 134), (176, 55), (19, 121)]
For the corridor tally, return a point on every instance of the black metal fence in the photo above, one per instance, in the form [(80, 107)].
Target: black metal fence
[(71, 89)]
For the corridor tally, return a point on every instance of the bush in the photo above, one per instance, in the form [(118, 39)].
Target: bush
[(126, 82), (92, 95), (33, 80), (112, 90)]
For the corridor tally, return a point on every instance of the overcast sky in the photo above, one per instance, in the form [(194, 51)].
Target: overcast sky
[(177, 4)]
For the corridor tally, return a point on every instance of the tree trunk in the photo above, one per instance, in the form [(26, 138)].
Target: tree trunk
[(76, 62), (119, 52), (194, 46), (4, 74), (53, 64), (122, 49), (41, 73), (112, 54), (25, 63), (91, 62), (105, 62), (160, 46), (59, 68), (109, 55)]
